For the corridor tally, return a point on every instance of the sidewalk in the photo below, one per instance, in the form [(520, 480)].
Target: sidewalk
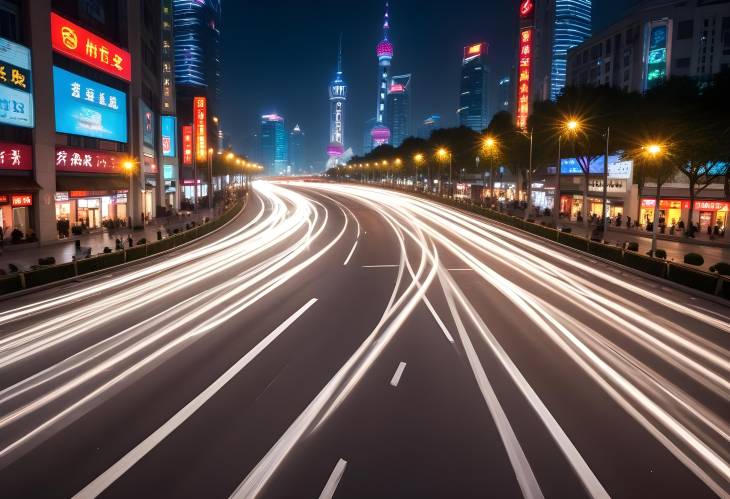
[(24, 256)]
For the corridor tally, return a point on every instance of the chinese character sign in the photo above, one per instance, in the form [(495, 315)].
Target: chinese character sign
[(71, 159), (20, 200), (15, 156), (168, 131), (187, 134), (524, 73), (85, 107), (77, 43), (16, 95), (201, 137)]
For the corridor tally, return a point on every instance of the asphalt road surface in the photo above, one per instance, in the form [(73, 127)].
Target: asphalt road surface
[(345, 341)]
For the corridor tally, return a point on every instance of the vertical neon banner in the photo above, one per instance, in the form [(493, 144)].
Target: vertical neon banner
[(200, 120), (524, 74)]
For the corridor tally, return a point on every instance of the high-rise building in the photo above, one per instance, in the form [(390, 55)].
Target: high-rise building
[(367, 139), (398, 106), (297, 159), (380, 134), (473, 104), (429, 124), (505, 94), (338, 99), (571, 26), (274, 145)]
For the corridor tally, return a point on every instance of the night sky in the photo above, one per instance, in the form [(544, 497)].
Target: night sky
[(280, 55)]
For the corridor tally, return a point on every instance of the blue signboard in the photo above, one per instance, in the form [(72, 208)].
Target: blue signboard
[(168, 132), (16, 92), (88, 108)]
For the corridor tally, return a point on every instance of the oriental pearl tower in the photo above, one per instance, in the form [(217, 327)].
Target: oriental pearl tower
[(338, 99), (380, 133)]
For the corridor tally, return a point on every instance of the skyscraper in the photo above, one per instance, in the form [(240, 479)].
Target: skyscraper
[(571, 26), (473, 108), (380, 133), (505, 94), (398, 106), (338, 98), (274, 145), (296, 150), (430, 124)]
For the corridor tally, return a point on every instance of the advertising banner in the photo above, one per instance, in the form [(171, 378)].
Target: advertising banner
[(187, 134), (201, 137), (15, 156), (524, 73), (168, 130), (72, 159), (16, 92), (88, 108), (147, 126), (78, 43)]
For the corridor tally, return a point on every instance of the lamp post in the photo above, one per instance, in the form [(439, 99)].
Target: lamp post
[(444, 154), (605, 185), (128, 166), (418, 160), (210, 178), (571, 126), (490, 147), (656, 152), (529, 180), (397, 164)]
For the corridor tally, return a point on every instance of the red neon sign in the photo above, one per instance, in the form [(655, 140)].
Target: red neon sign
[(71, 159), (526, 8), (16, 156), (80, 44), (473, 50), (201, 137), (20, 200), (4, 199), (524, 73), (187, 133)]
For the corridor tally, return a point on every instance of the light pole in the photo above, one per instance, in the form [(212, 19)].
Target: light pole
[(605, 185), (444, 154), (571, 126), (418, 160), (656, 152), (529, 181), (398, 164), (490, 147), (128, 166), (210, 178)]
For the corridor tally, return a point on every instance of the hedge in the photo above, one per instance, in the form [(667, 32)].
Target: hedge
[(725, 288), (606, 251), (159, 246), (646, 264), (10, 283), (99, 262), (136, 253), (579, 243), (696, 279), (49, 274)]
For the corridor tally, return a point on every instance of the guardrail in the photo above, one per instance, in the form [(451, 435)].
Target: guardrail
[(685, 275), (24, 280)]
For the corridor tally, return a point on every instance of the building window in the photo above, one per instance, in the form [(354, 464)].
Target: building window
[(685, 29)]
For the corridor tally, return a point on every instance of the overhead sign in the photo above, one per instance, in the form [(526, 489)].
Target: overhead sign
[(78, 43), (524, 77), (88, 108), (15, 156), (16, 92), (168, 130), (71, 159), (187, 135), (201, 137)]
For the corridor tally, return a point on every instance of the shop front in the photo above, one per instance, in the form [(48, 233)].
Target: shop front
[(707, 213), (18, 192)]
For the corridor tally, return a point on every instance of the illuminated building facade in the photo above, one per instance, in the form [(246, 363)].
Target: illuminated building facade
[(430, 124), (398, 106), (380, 133), (571, 26), (338, 99), (473, 107), (274, 145), (297, 159)]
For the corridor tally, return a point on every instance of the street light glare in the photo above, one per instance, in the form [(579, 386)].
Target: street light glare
[(572, 125), (654, 149), (489, 142)]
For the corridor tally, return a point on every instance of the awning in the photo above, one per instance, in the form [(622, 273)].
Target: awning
[(10, 183), (108, 182)]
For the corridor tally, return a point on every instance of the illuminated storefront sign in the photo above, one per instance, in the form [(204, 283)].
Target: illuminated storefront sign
[(168, 130), (74, 41), (4, 199), (71, 159), (704, 205), (187, 135), (16, 93), (656, 60), (147, 125), (85, 107), (20, 200), (524, 76), (168, 172), (201, 138), (617, 169), (16, 156), (473, 50), (526, 8)]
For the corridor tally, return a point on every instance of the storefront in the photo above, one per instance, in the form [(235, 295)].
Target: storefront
[(18, 190), (707, 213), (91, 209), (16, 214)]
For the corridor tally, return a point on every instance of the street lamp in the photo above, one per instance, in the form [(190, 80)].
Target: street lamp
[(490, 147), (210, 178), (656, 152), (570, 127), (418, 161), (444, 154), (128, 166)]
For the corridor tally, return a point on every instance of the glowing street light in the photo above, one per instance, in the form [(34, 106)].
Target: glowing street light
[(443, 154), (656, 151)]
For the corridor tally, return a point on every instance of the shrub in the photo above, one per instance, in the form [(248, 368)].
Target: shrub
[(658, 253), (566, 230), (576, 242), (135, 253), (694, 259), (722, 268), (9, 284), (142, 241), (693, 278), (99, 262), (49, 274), (48, 260), (647, 264), (605, 251), (632, 246)]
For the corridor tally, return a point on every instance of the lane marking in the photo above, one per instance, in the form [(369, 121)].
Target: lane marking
[(398, 373), (438, 320), (351, 253), (103, 481), (334, 480), (458, 270), (379, 266)]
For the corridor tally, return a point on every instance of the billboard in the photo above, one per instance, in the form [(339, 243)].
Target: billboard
[(88, 108), (16, 92), (147, 125), (16, 156), (168, 130), (78, 43), (524, 75), (656, 59), (617, 168), (473, 50), (187, 139), (201, 137), (73, 159)]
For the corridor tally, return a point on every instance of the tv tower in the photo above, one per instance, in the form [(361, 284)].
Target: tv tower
[(338, 98), (380, 133)]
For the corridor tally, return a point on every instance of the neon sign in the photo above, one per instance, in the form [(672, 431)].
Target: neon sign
[(201, 138), (16, 156), (21, 200), (77, 43), (526, 8), (473, 50), (71, 159), (187, 134), (524, 75)]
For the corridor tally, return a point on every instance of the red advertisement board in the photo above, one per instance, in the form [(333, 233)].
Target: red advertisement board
[(201, 137), (15, 156), (20, 200), (524, 75), (187, 133), (71, 159), (78, 43)]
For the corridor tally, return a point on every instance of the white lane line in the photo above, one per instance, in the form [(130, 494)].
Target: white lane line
[(458, 270), (398, 373), (351, 253), (438, 320), (103, 481), (379, 266), (334, 480)]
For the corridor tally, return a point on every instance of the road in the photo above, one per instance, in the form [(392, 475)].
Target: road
[(345, 341)]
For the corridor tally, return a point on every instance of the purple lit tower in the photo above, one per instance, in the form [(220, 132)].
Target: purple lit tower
[(338, 98), (381, 133)]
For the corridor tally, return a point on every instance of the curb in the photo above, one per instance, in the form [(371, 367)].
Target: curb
[(122, 266)]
